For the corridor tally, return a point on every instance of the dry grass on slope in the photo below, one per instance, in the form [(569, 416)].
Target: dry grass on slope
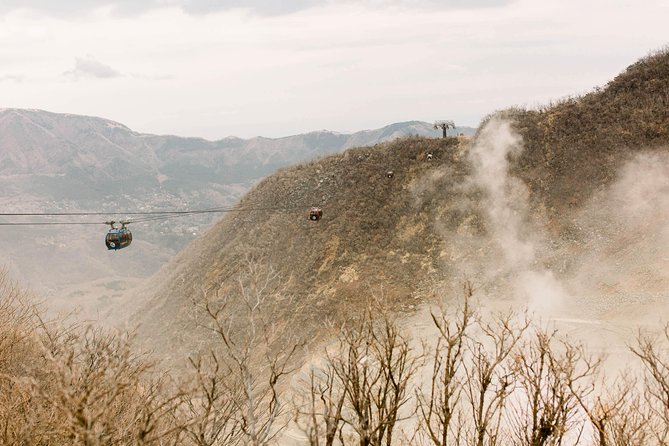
[(376, 236), (577, 145)]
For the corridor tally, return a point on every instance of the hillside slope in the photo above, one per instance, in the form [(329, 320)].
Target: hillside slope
[(548, 228), (577, 145), (371, 240), (52, 162)]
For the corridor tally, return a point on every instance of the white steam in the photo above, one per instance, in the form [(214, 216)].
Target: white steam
[(625, 232), (506, 206), (641, 195)]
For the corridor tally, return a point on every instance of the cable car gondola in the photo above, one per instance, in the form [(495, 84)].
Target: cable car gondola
[(118, 238), (315, 214)]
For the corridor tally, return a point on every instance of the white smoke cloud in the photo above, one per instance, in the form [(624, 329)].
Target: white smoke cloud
[(506, 206), (641, 195), (624, 231)]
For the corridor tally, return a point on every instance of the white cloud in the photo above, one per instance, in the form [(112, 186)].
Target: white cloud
[(69, 8), (12, 78), (90, 67)]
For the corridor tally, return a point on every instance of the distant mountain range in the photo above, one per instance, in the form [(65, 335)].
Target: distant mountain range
[(51, 162), (70, 157)]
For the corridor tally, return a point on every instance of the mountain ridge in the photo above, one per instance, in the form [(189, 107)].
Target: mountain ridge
[(93, 141)]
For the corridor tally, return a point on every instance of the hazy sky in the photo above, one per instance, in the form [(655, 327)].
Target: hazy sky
[(273, 68)]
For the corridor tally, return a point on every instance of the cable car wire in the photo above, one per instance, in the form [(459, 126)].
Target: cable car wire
[(148, 215), (73, 214), (47, 223)]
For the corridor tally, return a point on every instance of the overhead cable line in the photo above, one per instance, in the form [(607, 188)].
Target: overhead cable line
[(189, 211), (48, 223), (147, 215)]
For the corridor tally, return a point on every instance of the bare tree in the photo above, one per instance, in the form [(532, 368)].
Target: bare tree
[(364, 386), (552, 377), (19, 354), (210, 405), (323, 411), (650, 350), (65, 384), (490, 376), (99, 392), (439, 409), (254, 355), (373, 370), (619, 417)]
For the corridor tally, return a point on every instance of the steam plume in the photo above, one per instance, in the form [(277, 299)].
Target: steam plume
[(506, 208)]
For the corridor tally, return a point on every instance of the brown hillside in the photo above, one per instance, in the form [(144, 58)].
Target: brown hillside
[(375, 236), (396, 237), (576, 146)]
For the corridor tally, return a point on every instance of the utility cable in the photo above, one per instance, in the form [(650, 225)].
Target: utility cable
[(148, 215)]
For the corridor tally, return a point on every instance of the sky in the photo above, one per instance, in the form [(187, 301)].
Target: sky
[(273, 68)]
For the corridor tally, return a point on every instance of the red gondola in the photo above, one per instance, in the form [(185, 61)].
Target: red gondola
[(315, 214)]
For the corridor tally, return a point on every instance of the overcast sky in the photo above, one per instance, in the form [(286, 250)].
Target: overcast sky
[(268, 67)]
